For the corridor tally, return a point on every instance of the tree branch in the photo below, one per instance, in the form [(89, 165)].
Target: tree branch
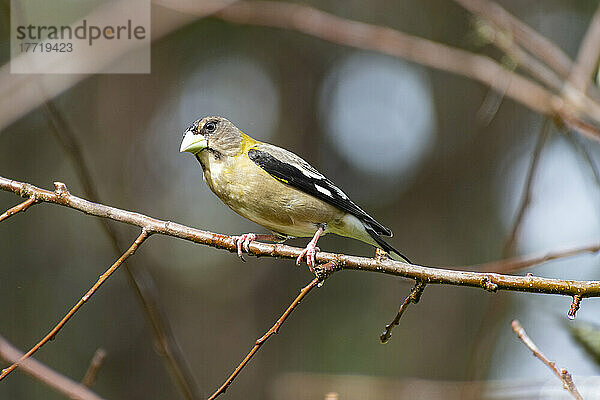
[(52, 334), (509, 245), (587, 57), (21, 207), (487, 281), (518, 263), (562, 374), (522, 33), (389, 41), (413, 297), (46, 375), (274, 329)]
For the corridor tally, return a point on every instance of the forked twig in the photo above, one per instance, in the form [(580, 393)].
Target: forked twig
[(140, 239), (413, 297), (562, 374)]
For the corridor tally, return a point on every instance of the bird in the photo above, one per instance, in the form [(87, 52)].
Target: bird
[(276, 189)]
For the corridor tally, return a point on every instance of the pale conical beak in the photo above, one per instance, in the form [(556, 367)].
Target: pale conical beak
[(193, 143)]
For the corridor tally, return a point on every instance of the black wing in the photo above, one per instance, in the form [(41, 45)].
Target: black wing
[(296, 172)]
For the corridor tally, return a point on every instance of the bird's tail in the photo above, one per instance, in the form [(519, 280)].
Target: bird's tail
[(382, 243)]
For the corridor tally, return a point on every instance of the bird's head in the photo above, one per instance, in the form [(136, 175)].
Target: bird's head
[(216, 134)]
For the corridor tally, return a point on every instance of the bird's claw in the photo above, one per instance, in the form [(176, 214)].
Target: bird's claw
[(243, 242), (310, 253)]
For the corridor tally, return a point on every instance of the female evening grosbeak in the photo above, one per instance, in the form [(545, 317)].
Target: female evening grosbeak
[(276, 189)]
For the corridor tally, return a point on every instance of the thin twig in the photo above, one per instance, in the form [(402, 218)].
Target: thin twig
[(413, 297), (139, 278), (534, 42), (509, 245), (562, 374), (90, 375), (274, 329), (22, 207), (441, 275), (518, 263), (52, 334), (505, 42), (587, 156), (46, 375), (587, 57)]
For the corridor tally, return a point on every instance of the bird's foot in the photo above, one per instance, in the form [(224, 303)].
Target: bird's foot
[(243, 241), (309, 252)]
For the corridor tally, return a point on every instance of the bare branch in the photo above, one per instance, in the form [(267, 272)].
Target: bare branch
[(519, 263), (90, 375), (46, 375), (587, 57), (392, 42), (413, 297), (328, 269), (562, 374), (446, 276), (52, 334), (523, 34), (22, 207), (509, 245)]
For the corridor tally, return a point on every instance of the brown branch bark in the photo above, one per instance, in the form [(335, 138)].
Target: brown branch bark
[(429, 275), (21, 207), (52, 334), (413, 297), (46, 375), (562, 374)]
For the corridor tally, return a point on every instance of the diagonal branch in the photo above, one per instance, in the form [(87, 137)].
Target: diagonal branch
[(563, 374), (534, 42), (389, 41), (509, 245), (46, 375), (52, 334), (587, 57), (274, 329), (413, 297), (518, 263), (22, 207), (446, 276)]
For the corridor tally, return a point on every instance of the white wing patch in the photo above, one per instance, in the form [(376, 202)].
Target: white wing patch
[(321, 189), (309, 173)]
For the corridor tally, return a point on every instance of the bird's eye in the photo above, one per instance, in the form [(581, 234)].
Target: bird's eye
[(210, 127)]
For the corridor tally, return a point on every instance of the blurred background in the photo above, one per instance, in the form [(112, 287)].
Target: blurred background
[(438, 158)]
